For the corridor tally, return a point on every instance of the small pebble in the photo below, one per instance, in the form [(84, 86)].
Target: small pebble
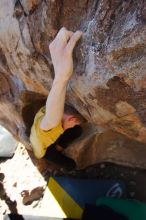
[(15, 184), (134, 173), (132, 183), (132, 194), (102, 166)]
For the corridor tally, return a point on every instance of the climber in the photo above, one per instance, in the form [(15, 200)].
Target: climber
[(54, 119)]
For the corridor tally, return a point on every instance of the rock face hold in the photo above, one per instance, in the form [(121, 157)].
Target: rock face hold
[(109, 83)]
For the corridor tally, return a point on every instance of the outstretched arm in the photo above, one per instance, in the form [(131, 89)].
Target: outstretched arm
[(61, 49)]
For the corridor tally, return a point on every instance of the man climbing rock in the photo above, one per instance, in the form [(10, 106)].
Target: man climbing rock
[(52, 120)]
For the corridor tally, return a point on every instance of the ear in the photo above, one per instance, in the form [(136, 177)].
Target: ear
[(71, 118), (75, 120)]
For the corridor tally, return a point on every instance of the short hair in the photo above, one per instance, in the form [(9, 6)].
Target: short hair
[(69, 110)]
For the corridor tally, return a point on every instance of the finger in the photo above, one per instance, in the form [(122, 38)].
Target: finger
[(63, 36), (68, 35), (73, 40), (60, 31)]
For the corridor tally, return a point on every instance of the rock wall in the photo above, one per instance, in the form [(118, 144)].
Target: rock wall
[(109, 83)]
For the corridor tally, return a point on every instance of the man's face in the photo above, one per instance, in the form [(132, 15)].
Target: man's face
[(69, 121)]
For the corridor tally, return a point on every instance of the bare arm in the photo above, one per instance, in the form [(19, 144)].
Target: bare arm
[(61, 50)]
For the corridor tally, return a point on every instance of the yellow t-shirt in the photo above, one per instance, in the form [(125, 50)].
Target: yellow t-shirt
[(41, 140)]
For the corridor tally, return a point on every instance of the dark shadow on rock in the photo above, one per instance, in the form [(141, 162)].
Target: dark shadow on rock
[(96, 146), (33, 102)]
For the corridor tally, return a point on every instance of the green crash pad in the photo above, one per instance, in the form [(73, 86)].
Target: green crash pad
[(134, 210)]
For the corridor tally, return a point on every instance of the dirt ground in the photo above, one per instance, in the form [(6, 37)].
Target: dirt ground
[(23, 181)]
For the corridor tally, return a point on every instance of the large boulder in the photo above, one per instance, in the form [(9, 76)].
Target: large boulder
[(109, 83)]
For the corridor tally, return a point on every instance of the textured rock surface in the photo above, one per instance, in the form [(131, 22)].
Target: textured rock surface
[(109, 82), (95, 146)]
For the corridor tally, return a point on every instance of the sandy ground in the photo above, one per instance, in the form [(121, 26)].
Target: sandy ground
[(20, 178)]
